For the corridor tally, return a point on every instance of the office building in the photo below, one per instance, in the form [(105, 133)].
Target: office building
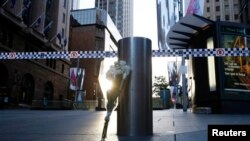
[(93, 30), (223, 10), (121, 12), (34, 26)]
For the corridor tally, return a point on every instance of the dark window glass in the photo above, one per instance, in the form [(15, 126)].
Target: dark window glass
[(62, 71), (217, 8), (54, 64), (64, 3), (236, 17), (64, 17)]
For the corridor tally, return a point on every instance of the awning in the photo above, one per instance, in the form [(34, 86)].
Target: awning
[(180, 35)]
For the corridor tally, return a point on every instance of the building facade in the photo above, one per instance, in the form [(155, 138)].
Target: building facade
[(75, 4), (93, 30), (224, 10), (121, 12), (225, 79), (168, 13), (34, 26), (244, 11)]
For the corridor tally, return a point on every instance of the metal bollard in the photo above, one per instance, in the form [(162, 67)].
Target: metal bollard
[(134, 113)]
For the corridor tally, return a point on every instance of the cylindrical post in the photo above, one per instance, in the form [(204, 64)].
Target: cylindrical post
[(135, 102)]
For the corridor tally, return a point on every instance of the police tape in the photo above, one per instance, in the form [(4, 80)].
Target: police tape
[(218, 52)]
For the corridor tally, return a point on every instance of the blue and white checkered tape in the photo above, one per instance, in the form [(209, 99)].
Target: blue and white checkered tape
[(218, 52)]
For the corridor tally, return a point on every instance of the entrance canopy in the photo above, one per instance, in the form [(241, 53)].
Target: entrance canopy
[(181, 34)]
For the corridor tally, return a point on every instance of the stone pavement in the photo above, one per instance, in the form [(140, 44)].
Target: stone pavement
[(82, 125)]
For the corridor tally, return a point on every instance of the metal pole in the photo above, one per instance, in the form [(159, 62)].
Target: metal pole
[(77, 70), (135, 101), (184, 86)]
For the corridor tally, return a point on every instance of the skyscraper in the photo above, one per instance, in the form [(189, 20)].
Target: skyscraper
[(121, 12)]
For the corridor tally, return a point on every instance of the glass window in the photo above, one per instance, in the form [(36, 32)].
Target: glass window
[(51, 63), (236, 6), (208, 9), (54, 64), (48, 19), (217, 8), (62, 71), (236, 17), (65, 3), (226, 7), (64, 17), (99, 43), (63, 32)]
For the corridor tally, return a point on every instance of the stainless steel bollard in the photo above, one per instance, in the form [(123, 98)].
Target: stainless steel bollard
[(134, 113)]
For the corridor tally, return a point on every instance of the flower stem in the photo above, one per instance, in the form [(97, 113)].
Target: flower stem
[(104, 132)]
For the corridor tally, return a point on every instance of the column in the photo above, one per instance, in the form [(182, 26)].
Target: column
[(135, 102)]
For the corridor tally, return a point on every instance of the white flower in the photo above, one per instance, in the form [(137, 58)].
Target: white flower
[(122, 63), (126, 70), (118, 68)]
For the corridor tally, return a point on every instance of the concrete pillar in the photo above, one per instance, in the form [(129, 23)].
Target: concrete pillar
[(135, 102)]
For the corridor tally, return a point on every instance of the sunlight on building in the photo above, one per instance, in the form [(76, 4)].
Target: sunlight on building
[(104, 82)]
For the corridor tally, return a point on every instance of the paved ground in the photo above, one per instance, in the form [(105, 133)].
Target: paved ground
[(79, 125)]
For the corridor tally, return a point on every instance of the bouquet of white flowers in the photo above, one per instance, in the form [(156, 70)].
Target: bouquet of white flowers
[(119, 68), (117, 73)]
